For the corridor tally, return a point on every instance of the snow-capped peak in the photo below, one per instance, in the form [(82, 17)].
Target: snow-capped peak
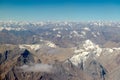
[(89, 45), (90, 49), (84, 52)]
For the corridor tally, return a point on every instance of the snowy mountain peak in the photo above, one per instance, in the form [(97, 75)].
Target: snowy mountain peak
[(83, 53), (89, 45)]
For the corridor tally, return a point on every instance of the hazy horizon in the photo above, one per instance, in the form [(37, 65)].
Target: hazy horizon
[(59, 10)]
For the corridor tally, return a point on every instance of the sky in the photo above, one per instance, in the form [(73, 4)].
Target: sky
[(59, 10)]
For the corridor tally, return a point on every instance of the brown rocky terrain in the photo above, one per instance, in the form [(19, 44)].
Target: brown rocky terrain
[(58, 51)]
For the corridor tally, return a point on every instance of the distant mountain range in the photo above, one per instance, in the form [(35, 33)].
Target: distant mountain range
[(59, 51), (64, 34)]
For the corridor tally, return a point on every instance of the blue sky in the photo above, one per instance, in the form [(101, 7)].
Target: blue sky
[(59, 10)]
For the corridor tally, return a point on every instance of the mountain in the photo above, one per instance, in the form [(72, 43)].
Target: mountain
[(63, 34), (59, 51)]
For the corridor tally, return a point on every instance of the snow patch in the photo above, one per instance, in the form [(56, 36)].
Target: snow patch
[(10, 28), (83, 32), (94, 34), (50, 44), (32, 46), (86, 29), (98, 33), (74, 33), (58, 35)]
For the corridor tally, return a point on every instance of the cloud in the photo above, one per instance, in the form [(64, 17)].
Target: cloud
[(37, 68)]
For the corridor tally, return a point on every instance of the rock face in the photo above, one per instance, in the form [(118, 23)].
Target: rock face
[(60, 51), (25, 58)]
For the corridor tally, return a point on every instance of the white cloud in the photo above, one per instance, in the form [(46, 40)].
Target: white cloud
[(37, 68)]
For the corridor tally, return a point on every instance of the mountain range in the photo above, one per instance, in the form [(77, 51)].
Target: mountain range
[(59, 50)]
